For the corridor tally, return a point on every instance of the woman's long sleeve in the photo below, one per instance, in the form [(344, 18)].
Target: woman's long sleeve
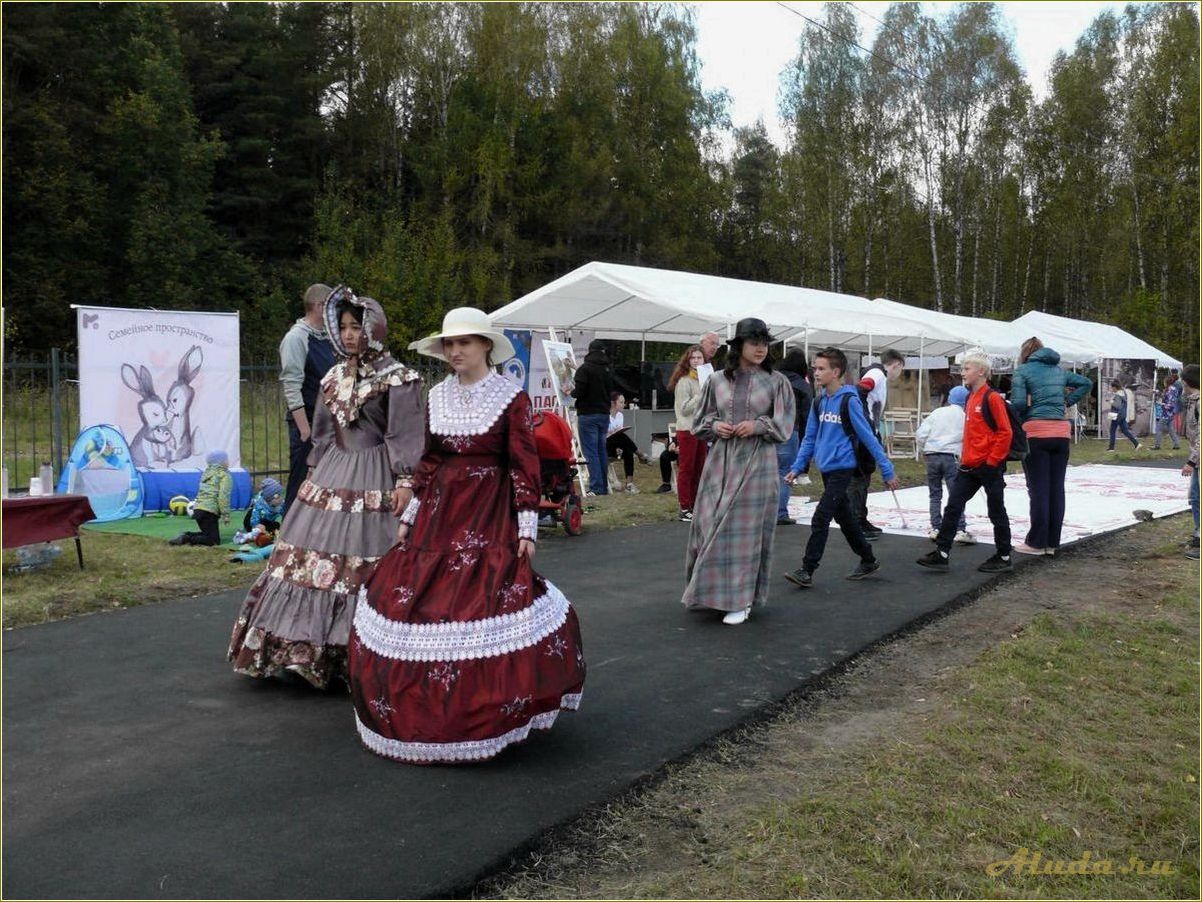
[(778, 426), (322, 433), (707, 412), (406, 435), (524, 470)]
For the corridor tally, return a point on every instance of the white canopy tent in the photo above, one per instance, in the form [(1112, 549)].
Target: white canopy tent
[(640, 303), (1101, 339), (995, 337)]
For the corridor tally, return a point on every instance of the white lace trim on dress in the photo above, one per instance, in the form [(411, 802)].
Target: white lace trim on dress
[(473, 750), (486, 401), (528, 525), (460, 640), (409, 514)]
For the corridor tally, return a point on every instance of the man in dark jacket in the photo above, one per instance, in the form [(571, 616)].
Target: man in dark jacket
[(594, 382), (306, 355), (797, 371)]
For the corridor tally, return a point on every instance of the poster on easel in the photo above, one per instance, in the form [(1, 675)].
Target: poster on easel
[(561, 373), (561, 363)]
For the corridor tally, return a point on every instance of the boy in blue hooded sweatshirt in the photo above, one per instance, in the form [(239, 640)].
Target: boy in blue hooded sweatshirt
[(827, 442)]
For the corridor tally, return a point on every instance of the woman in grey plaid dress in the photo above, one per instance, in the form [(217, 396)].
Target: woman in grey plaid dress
[(745, 410)]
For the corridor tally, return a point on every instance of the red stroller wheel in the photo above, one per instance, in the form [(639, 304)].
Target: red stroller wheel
[(573, 518)]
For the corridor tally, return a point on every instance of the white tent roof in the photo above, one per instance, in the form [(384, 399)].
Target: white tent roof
[(638, 302), (995, 337), (1103, 339)]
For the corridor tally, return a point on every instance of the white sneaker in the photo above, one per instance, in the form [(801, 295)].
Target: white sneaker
[(933, 535), (734, 618), (1024, 548), (964, 537), (631, 489)]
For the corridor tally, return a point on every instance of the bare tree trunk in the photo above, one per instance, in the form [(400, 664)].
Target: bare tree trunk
[(1047, 276), (1139, 242), (997, 256), (830, 228), (1022, 307), (976, 259), (958, 268), (1164, 262), (931, 225), (867, 286)]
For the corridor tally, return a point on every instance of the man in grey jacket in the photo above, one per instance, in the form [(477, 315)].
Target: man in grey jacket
[(306, 355)]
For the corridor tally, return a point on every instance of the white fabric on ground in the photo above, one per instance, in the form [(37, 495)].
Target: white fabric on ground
[(1097, 498)]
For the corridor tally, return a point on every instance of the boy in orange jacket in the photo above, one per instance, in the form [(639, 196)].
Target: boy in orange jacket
[(982, 465)]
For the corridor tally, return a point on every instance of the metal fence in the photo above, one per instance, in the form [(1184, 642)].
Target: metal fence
[(41, 414)]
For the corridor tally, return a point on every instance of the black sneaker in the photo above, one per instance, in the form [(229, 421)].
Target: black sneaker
[(870, 531), (936, 560), (996, 564), (800, 577), (864, 568), (178, 540), (785, 521), (1192, 543), (664, 489), (685, 517)]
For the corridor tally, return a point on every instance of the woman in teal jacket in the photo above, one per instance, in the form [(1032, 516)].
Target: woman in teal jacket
[(1040, 394)]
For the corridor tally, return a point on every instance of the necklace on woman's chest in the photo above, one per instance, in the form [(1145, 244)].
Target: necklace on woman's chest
[(467, 395)]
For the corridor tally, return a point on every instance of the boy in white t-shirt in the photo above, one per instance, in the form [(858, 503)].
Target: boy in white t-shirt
[(940, 438)]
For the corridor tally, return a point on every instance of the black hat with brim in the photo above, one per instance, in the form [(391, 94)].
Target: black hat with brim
[(751, 329)]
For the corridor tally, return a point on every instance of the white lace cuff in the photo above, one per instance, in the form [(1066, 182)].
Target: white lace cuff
[(404, 481), (409, 515), (528, 525)]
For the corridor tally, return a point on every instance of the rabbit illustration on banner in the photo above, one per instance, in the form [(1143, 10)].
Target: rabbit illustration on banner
[(179, 405), (152, 444)]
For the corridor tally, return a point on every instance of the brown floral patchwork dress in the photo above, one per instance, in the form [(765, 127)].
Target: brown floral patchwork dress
[(297, 616)]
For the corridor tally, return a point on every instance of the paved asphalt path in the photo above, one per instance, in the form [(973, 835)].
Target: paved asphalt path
[(137, 764)]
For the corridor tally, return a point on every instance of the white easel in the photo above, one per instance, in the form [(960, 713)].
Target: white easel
[(569, 415)]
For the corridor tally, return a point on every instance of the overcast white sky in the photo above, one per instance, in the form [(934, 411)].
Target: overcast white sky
[(744, 46)]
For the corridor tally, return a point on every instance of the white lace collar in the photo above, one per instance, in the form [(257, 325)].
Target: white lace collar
[(469, 410)]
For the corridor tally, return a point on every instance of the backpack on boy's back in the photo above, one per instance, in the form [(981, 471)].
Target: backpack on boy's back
[(1019, 447), (865, 462)]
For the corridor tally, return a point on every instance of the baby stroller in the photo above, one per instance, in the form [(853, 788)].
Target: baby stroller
[(556, 461)]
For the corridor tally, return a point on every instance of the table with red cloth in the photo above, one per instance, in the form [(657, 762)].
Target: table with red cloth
[(45, 518)]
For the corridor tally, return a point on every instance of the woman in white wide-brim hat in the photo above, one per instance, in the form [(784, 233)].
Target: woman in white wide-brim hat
[(459, 648)]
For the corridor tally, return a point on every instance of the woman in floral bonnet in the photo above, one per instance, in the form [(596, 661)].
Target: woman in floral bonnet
[(368, 437)]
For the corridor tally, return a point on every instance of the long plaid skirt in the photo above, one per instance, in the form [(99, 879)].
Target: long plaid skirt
[(729, 554)]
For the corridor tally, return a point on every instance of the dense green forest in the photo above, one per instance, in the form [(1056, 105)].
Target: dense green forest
[(223, 156)]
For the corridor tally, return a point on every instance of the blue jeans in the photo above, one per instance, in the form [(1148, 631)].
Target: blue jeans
[(941, 468), (1164, 427), (785, 453), (1116, 425), (1193, 496), (593, 427)]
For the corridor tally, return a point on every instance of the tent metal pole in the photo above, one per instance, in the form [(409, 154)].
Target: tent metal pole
[(807, 343), (922, 343)]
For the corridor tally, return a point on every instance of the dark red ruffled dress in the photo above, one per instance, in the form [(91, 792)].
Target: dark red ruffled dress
[(458, 647)]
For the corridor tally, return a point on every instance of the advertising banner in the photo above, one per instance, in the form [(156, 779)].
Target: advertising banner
[(167, 379)]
